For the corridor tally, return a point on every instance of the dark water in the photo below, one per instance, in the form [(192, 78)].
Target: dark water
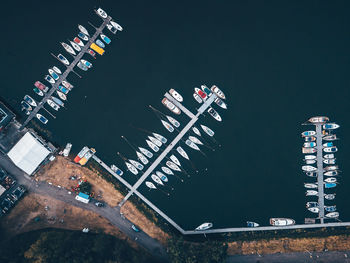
[(278, 63)]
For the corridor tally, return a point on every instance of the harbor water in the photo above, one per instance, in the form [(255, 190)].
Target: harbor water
[(278, 64)]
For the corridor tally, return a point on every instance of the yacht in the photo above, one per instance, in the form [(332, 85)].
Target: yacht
[(331, 168), (83, 29), (252, 224), (314, 209), (308, 168), (116, 25), (310, 138), (67, 84), (67, 149), (310, 186), (53, 105), (196, 131), (192, 145), (61, 95), (49, 79), (167, 103), (173, 121), (57, 101), (160, 137), (311, 193), (312, 204), (330, 185), (53, 74), (82, 66), (176, 95), (100, 43), (332, 215), (63, 59), (106, 39), (214, 114), (331, 173), (78, 41), (175, 160), (310, 157), (331, 208), (281, 221), (75, 46), (319, 119), (218, 92), (332, 137), (155, 141), (206, 90), (309, 144), (41, 118), (220, 103), (162, 176), (152, 146), (92, 53), (329, 196), (204, 226), (116, 170), (150, 185), (308, 133), (328, 144), (167, 170), (202, 94), (30, 100), (83, 36), (131, 168), (309, 150), (86, 63), (38, 91), (207, 130), (311, 174), (329, 161), (112, 28), (142, 158), (63, 89), (146, 152), (330, 126), (197, 98), (156, 179), (195, 140), (26, 106), (57, 70), (101, 13), (68, 48), (41, 86), (136, 164), (330, 180), (329, 156)]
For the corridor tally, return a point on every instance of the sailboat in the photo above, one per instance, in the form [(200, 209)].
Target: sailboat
[(207, 130), (173, 121), (136, 164), (192, 145), (167, 126), (152, 146), (182, 152), (162, 176), (150, 185), (146, 152), (196, 131), (195, 140), (160, 137), (142, 158), (155, 141), (173, 166), (156, 179), (175, 160), (167, 170)]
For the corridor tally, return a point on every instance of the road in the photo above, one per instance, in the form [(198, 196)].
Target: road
[(110, 213)]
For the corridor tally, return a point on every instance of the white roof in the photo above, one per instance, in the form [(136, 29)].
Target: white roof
[(28, 153), (2, 189)]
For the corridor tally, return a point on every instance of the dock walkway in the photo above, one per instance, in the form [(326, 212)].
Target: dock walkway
[(320, 183)]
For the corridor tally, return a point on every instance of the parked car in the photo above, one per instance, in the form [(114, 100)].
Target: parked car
[(99, 204), (136, 229)]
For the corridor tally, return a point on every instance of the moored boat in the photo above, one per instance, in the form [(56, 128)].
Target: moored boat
[(332, 137), (328, 144), (92, 53), (57, 70), (83, 36), (196, 131), (81, 154), (26, 106), (192, 145), (311, 174), (308, 133), (136, 164), (331, 208), (75, 46), (218, 92), (162, 176), (207, 130), (330, 126), (156, 179), (173, 121), (220, 103), (167, 126), (173, 166), (82, 66), (142, 158), (175, 160), (310, 186), (160, 137), (312, 204), (330, 185), (167, 170), (331, 173), (329, 196), (41, 86), (329, 161), (86, 63), (214, 114), (53, 105), (78, 41), (101, 13), (281, 221), (67, 84), (49, 79), (30, 101), (112, 28), (67, 149), (116, 25), (106, 39), (41, 118), (332, 215), (117, 170), (63, 59), (310, 138), (206, 90), (308, 168), (167, 103), (63, 89), (61, 95), (182, 152), (176, 95), (329, 156), (87, 156), (53, 74), (152, 146), (309, 150), (150, 185), (146, 152), (311, 193), (331, 168), (68, 48), (83, 29), (100, 43), (195, 140), (309, 144), (314, 209), (310, 157), (38, 91), (197, 98), (252, 224), (330, 180), (200, 93), (204, 226), (57, 101), (310, 161), (131, 168), (155, 141), (319, 119)]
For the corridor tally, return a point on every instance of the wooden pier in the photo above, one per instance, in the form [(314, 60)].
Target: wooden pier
[(320, 171)]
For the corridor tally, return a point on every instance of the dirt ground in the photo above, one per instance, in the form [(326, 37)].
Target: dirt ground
[(53, 213), (283, 245)]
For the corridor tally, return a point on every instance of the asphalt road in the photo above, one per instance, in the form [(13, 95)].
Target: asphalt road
[(110, 213)]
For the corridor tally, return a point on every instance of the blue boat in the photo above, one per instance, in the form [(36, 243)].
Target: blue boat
[(330, 185), (57, 101), (106, 39), (63, 89), (162, 176), (53, 74), (100, 43), (30, 100), (332, 208), (41, 118), (26, 106), (83, 36), (328, 144), (252, 224)]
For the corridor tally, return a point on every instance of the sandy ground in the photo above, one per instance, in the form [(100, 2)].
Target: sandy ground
[(54, 214)]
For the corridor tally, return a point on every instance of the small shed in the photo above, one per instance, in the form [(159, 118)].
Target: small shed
[(83, 198)]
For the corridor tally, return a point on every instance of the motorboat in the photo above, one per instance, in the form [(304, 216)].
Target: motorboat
[(311, 193), (173, 166), (176, 95), (167, 103), (192, 145), (142, 158), (310, 161), (311, 174), (310, 138), (308, 133), (173, 121), (310, 186), (50, 79), (207, 130), (155, 141), (53, 105), (330, 185), (150, 185), (204, 226), (116, 25), (63, 59), (310, 157), (106, 39), (131, 168), (332, 149), (160, 137), (206, 90), (101, 13), (332, 215), (112, 28), (83, 36), (308, 150), (331, 173), (308, 168), (196, 131), (78, 41), (152, 146), (26, 106), (332, 137), (75, 46), (214, 114), (167, 126), (68, 48), (195, 140), (167, 170), (252, 224), (328, 144), (57, 101), (202, 94), (136, 164), (329, 156), (63, 89), (41, 86), (220, 103), (197, 98), (309, 144), (330, 180), (38, 91), (281, 221), (83, 29), (218, 92), (314, 209), (92, 53), (319, 119), (331, 168), (30, 100), (331, 208), (86, 63), (182, 152), (329, 196), (162, 176), (175, 160), (82, 66), (26, 111), (53, 74), (116, 170), (329, 161), (146, 152), (330, 126), (57, 70), (312, 204), (61, 95), (67, 84), (67, 149), (41, 118), (100, 43), (156, 179)]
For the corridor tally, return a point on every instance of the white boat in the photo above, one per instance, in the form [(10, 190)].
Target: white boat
[(78, 41), (330, 126), (310, 138), (220, 103), (207, 130), (175, 160), (206, 90), (57, 70), (152, 146), (308, 168), (61, 95), (310, 157), (136, 164), (308, 133), (162, 176), (83, 36), (156, 179), (214, 114), (197, 98), (332, 137), (131, 168), (329, 161), (311, 193), (53, 105), (192, 145), (195, 140), (173, 166), (155, 141), (182, 152), (309, 144), (101, 13), (332, 215), (312, 204), (310, 186), (311, 174), (167, 126), (116, 25), (252, 224), (204, 226), (319, 119), (116, 170), (67, 84), (167, 103), (75, 46), (331, 173), (328, 144), (86, 63), (41, 118), (281, 221), (330, 180), (67, 149), (173, 121), (106, 39), (331, 168), (112, 28), (176, 95), (63, 59), (68, 48), (167, 170), (49, 79), (150, 185), (53, 74), (142, 158), (309, 150), (83, 29), (329, 196), (329, 156), (330, 149), (30, 101), (314, 209), (196, 131), (82, 66), (160, 137), (146, 152), (310, 161), (218, 92)]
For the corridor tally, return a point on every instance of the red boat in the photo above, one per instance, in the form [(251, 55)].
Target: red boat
[(41, 86), (92, 53), (81, 154), (78, 41), (200, 93)]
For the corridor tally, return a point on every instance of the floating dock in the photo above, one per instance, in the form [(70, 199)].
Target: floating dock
[(320, 183)]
